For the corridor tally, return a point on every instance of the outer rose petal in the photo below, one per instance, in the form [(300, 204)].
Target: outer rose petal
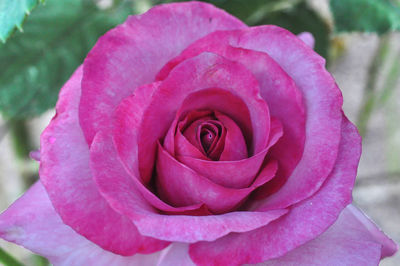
[(33, 223), (389, 247), (177, 254), (305, 220), (65, 173), (121, 192), (131, 54), (323, 102), (352, 240)]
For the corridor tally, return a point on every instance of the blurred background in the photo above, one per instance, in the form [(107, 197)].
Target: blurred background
[(43, 42)]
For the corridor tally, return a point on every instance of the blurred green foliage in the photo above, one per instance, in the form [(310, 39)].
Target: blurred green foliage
[(7, 259), (56, 38), (12, 14), (366, 15)]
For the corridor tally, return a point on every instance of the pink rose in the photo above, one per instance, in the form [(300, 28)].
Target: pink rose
[(186, 138)]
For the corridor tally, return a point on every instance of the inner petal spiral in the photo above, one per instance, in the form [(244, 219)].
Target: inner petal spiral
[(208, 135), (204, 131)]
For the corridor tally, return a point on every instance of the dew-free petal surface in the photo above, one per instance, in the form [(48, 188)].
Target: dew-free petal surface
[(304, 221), (235, 145), (195, 75), (322, 100), (177, 254), (122, 193), (307, 38), (65, 173), (277, 88), (131, 55), (349, 241), (33, 223), (182, 186)]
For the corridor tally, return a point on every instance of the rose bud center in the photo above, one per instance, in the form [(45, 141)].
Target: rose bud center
[(208, 135), (204, 131)]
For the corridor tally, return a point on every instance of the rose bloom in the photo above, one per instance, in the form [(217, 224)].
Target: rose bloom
[(188, 138)]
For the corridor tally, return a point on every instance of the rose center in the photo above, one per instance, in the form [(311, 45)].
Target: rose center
[(208, 134)]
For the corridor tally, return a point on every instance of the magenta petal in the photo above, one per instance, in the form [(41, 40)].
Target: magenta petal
[(198, 74), (235, 174), (65, 173), (235, 145), (346, 242), (181, 186), (33, 223), (307, 38), (131, 54), (128, 115), (124, 194), (177, 254), (304, 222), (322, 100), (278, 89), (174, 136), (312, 83), (220, 101), (119, 180), (389, 247), (230, 174), (182, 147), (35, 155)]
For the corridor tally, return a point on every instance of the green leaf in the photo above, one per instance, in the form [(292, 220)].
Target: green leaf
[(12, 14), (7, 259), (34, 65), (366, 15)]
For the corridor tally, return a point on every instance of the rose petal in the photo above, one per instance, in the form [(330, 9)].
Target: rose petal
[(230, 174), (235, 146), (305, 220), (346, 242), (184, 148), (322, 99), (181, 186), (175, 139), (177, 254), (33, 223), (196, 75), (129, 114), (234, 174), (65, 173), (35, 155), (103, 155), (389, 247), (220, 101), (131, 55), (307, 38), (118, 188), (127, 117), (276, 87)]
